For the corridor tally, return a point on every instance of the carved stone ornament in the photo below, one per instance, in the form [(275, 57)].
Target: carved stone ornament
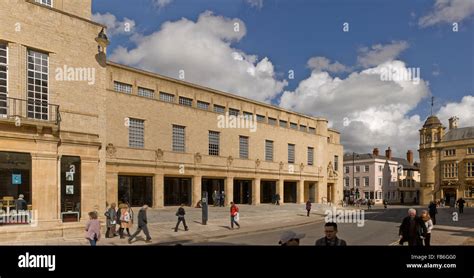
[(281, 165), (301, 167), (257, 163), (111, 150), (230, 159), (159, 154), (197, 158)]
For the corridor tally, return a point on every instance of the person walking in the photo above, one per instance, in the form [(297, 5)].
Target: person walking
[(369, 204), (429, 226), (180, 213), (142, 225), (234, 215), (330, 238), (125, 220), (111, 217), (460, 203), (433, 211), (214, 198), (412, 229), (20, 203), (93, 228), (385, 203), (277, 199), (308, 207)]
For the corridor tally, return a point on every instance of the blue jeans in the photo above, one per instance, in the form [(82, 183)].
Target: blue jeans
[(93, 242)]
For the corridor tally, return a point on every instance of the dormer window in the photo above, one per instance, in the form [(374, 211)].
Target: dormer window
[(48, 3)]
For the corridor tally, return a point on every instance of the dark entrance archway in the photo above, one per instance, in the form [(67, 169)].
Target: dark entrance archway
[(450, 196), (243, 191), (211, 185), (267, 191), (177, 191), (136, 190), (289, 192)]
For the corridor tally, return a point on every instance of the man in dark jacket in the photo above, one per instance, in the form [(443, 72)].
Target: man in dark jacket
[(412, 229), (461, 205), (180, 213), (330, 229), (433, 211), (142, 225)]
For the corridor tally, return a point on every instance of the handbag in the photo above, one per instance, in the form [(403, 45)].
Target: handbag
[(237, 217)]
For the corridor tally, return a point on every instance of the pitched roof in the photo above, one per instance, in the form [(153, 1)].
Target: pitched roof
[(459, 134)]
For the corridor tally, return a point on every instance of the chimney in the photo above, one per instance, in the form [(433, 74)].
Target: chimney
[(375, 152), (388, 153), (410, 157), (453, 122)]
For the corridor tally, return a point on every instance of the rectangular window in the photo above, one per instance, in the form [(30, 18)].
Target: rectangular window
[(346, 182), (166, 97), (203, 105), (346, 169), (38, 86), (357, 169), (214, 143), (234, 112), (268, 150), (357, 182), (3, 78), (366, 181), (366, 168), (283, 123), (186, 101), (470, 169), (470, 150), (136, 133), (450, 152), (179, 138), (272, 121), (219, 109), (450, 170), (244, 147), (293, 126), (48, 3), (310, 155), (380, 181), (122, 87), (143, 92), (291, 153), (248, 115), (312, 130), (336, 163), (260, 118), (303, 128)]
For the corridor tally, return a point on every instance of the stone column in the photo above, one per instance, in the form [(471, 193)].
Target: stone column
[(89, 185), (44, 187), (197, 190), (158, 190), (112, 188), (300, 192), (229, 190), (280, 189), (256, 191)]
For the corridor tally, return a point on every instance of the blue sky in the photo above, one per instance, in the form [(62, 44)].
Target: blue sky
[(289, 33)]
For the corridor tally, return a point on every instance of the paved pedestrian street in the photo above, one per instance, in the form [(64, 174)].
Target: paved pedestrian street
[(264, 224)]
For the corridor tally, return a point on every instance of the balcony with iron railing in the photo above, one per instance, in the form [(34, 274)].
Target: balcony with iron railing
[(22, 112)]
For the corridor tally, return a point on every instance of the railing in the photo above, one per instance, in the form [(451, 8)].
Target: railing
[(31, 110)]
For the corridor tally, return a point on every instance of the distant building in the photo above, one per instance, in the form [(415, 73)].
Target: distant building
[(447, 161), (381, 177)]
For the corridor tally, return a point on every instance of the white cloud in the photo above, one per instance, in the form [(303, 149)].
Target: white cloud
[(379, 53), (161, 3), (324, 64), (377, 111), (115, 27), (448, 11), (256, 3), (203, 49), (464, 110)]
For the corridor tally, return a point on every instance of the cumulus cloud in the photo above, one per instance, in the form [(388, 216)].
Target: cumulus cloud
[(324, 64), (368, 111), (448, 11), (203, 49), (114, 26), (464, 110), (255, 3), (378, 54)]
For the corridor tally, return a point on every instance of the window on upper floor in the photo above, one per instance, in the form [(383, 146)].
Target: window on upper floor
[(234, 112), (346, 169), (450, 170), (122, 87), (186, 101), (243, 147), (366, 168), (38, 85), (166, 97), (219, 109), (283, 123), (303, 128), (136, 133), (214, 141), (48, 3), (470, 150), (310, 155), (450, 152), (268, 150), (3, 78), (203, 105), (312, 130), (179, 138), (143, 92), (293, 125), (272, 121), (291, 153), (260, 118)]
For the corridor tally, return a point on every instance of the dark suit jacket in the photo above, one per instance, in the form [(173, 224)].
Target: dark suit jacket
[(142, 221)]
